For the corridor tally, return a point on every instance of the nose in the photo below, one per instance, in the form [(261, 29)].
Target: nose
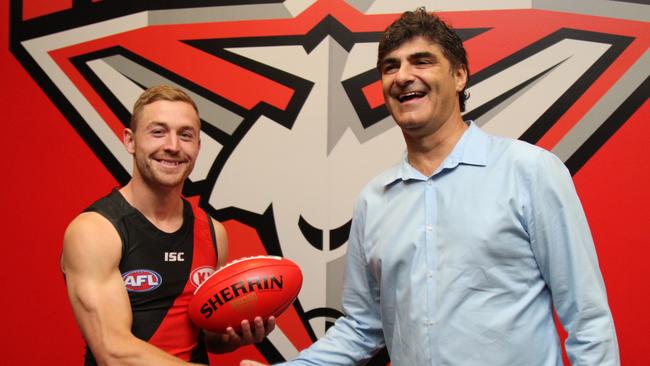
[(172, 144), (404, 76)]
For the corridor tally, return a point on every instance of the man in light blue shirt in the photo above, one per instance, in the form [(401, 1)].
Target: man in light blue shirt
[(459, 253)]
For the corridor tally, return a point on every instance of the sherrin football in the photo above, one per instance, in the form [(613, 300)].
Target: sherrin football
[(244, 289)]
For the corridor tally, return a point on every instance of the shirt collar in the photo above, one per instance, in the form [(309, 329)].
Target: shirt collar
[(471, 149)]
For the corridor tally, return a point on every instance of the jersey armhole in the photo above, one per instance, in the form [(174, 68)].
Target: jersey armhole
[(213, 235)]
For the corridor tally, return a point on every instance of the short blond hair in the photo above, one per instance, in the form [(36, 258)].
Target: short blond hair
[(156, 93)]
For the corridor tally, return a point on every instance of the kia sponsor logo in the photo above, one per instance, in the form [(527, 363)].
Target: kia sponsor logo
[(200, 274), (141, 280)]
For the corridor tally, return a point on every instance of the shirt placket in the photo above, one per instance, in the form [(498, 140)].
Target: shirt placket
[(431, 260)]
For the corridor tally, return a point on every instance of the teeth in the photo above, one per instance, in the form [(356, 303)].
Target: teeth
[(166, 162), (409, 95)]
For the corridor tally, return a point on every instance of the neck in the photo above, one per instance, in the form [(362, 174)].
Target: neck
[(427, 152), (162, 206)]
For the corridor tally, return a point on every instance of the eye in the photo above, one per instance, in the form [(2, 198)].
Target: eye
[(389, 68), (187, 135), (157, 132)]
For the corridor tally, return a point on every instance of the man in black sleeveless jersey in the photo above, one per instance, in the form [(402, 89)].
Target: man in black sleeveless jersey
[(133, 259)]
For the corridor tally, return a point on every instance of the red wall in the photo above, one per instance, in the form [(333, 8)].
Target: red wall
[(48, 175)]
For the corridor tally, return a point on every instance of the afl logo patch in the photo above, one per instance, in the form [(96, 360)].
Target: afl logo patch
[(200, 274), (141, 280)]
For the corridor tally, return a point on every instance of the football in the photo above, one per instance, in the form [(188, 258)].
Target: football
[(244, 289)]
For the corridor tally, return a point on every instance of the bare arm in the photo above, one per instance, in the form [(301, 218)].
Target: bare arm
[(90, 260), (229, 341)]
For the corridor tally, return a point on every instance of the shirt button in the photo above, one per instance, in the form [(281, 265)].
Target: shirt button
[(429, 227), (430, 182), (429, 274)]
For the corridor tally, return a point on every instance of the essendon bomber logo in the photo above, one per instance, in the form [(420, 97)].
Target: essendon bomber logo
[(293, 118)]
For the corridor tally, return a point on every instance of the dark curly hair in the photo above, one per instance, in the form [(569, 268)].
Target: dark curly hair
[(419, 23)]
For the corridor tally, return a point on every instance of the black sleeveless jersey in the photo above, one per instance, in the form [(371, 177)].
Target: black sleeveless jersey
[(160, 272)]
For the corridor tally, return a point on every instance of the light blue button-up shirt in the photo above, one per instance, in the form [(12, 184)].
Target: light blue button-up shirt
[(465, 267)]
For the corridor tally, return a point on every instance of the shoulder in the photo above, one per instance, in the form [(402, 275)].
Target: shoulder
[(90, 239), (93, 234), (89, 223), (113, 207), (539, 175), (523, 155), (506, 147)]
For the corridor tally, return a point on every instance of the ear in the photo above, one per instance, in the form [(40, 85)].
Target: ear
[(128, 139), (460, 74)]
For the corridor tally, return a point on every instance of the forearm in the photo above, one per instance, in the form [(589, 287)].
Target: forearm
[(341, 345), (131, 351)]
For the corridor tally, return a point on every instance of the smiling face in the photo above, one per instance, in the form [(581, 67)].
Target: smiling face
[(165, 143), (421, 87)]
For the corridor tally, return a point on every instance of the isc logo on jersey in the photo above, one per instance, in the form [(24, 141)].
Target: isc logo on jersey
[(141, 280), (200, 274)]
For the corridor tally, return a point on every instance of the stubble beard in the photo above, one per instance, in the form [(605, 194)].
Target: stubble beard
[(155, 178)]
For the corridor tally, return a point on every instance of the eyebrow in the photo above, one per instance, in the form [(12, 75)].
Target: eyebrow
[(413, 56), (388, 60), (154, 124), (188, 128), (421, 54)]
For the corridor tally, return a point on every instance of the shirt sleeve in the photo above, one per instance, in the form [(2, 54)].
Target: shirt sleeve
[(358, 335), (564, 250)]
